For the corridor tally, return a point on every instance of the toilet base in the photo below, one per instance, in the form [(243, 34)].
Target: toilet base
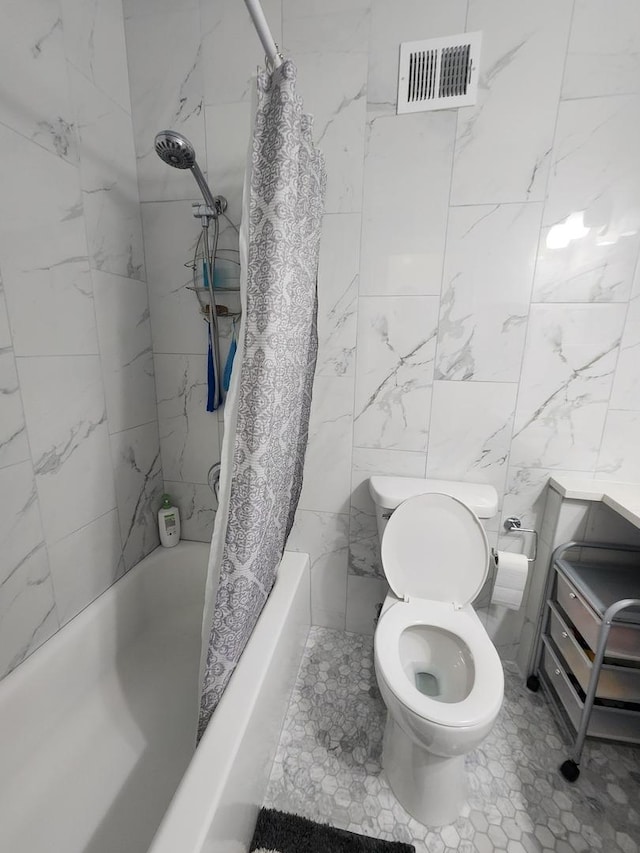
[(431, 788)]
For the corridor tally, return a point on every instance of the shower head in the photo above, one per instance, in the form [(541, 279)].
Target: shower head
[(176, 150)]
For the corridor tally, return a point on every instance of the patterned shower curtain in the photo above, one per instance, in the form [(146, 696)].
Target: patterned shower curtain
[(267, 410)]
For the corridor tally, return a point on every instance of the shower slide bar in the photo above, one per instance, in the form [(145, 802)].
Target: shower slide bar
[(274, 57)]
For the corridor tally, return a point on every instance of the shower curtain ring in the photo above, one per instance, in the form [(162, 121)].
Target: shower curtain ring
[(269, 61)]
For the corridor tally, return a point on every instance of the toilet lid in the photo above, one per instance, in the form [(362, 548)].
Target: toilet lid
[(435, 547)]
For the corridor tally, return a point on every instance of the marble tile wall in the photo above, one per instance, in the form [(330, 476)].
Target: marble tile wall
[(80, 473), (478, 312)]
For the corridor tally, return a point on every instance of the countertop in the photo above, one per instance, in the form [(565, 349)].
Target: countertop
[(624, 498)]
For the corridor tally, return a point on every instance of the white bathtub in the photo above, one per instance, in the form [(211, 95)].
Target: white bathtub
[(97, 726)]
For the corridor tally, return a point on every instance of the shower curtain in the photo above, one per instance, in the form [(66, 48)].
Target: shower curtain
[(267, 409)]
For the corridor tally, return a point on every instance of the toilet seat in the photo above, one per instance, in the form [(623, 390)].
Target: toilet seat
[(435, 548), (484, 698), (435, 555)]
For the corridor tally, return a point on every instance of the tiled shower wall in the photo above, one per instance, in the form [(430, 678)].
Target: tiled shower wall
[(478, 317), (80, 474)]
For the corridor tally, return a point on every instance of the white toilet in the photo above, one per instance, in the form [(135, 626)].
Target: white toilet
[(439, 673)]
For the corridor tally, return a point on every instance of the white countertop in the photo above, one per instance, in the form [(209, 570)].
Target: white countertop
[(624, 498)]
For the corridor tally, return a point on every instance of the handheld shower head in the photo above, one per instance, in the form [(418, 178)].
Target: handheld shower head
[(175, 149)]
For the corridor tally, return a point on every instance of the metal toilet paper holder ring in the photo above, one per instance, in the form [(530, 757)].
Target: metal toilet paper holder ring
[(513, 523)]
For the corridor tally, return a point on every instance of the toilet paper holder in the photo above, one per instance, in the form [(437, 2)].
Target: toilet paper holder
[(513, 523)]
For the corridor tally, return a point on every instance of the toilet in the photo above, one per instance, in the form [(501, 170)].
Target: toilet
[(438, 672)]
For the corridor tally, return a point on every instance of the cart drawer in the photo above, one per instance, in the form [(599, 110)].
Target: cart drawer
[(623, 641), (610, 723), (615, 682)]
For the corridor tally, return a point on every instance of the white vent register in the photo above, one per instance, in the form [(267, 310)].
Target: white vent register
[(438, 74)]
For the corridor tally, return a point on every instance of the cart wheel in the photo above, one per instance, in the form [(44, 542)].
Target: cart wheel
[(570, 770), (533, 683)]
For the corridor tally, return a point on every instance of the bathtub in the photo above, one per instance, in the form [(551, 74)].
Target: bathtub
[(97, 726)]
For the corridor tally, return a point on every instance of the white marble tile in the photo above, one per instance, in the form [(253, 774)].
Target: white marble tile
[(124, 331), (314, 28), (471, 425), (626, 382), (85, 563), (156, 8), (94, 42), (228, 136), (67, 427), (326, 483), (27, 610), (317, 7), (333, 87), (504, 141), (365, 597), (5, 332), (197, 505), (324, 536), (404, 20), (619, 457), (566, 380), (108, 175), (589, 244), (488, 272), (364, 544), (364, 547), (189, 435), (34, 90), (28, 172), (405, 209), (170, 234), (52, 310), (603, 57), (139, 488), (595, 168), (338, 294), (231, 50), (525, 497), (14, 446), (504, 627), (20, 525), (585, 270), (166, 83), (394, 369)]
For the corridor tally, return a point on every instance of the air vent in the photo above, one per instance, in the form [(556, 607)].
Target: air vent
[(438, 74)]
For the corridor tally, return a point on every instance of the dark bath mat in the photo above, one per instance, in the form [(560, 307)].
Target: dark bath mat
[(279, 832)]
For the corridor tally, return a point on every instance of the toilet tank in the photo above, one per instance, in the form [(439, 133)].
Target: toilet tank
[(389, 492)]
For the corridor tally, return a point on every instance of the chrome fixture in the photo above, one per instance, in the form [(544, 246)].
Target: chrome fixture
[(213, 478), (514, 525), (175, 150)]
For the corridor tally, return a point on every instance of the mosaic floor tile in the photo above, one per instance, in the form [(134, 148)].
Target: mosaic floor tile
[(328, 768)]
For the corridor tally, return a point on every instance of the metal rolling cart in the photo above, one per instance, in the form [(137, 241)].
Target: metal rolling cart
[(587, 649)]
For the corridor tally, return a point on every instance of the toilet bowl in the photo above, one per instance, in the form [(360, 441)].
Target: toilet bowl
[(438, 672)]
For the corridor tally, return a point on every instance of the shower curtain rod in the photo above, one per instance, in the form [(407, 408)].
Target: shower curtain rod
[(264, 33)]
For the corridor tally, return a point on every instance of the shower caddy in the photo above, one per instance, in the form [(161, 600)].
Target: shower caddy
[(587, 649), (207, 255)]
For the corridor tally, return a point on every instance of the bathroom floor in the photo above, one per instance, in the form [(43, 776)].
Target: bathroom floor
[(328, 768)]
